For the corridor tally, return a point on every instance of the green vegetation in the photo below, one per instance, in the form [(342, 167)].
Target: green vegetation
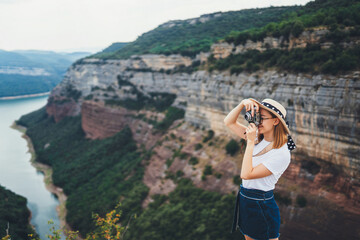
[(209, 136), (232, 147), (193, 161), (218, 175), (175, 177), (311, 59), (108, 227), (54, 64), (198, 146), (282, 199), (187, 213), (172, 114), (191, 37), (112, 48), (94, 174), (335, 14), (208, 170), (176, 153), (311, 167), (158, 101), (16, 84), (341, 18), (237, 180), (13, 211), (301, 201)]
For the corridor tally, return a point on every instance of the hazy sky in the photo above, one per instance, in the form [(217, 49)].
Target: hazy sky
[(92, 25)]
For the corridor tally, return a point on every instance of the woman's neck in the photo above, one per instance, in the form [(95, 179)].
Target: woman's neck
[(269, 137)]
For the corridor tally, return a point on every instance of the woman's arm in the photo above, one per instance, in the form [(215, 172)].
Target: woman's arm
[(247, 170), (234, 114), (231, 119)]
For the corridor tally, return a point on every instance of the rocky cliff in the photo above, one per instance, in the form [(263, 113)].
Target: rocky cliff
[(310, 36), (323, 112)]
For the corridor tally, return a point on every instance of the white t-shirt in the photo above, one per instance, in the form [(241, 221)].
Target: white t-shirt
[(276, 160)]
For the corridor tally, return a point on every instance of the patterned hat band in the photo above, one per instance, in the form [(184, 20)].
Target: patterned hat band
[(273, 108), (290, 143)]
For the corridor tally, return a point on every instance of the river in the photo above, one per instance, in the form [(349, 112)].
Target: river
[(16, 172)]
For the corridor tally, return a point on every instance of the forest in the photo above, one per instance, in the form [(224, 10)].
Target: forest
[(14, 215)]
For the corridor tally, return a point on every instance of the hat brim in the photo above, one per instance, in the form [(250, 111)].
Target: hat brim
[(274, 112)]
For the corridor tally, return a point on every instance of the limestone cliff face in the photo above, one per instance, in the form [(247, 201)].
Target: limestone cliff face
[(323, 112)]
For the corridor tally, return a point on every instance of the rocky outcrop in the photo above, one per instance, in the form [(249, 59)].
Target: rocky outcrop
[(59, 105), (311, 36), (322, 109), (99, 122)]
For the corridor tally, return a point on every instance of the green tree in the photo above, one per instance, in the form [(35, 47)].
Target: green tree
[(232, 147)]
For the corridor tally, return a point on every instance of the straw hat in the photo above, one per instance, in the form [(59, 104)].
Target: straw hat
[(280, 112)]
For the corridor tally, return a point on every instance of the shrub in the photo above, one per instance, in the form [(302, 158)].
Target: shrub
[(286, 200), (171, 115), (297, 29), (169, 161), (88, 97), (237, 180), (210, 134), (232, 147), (208, 170), (203, 178), (236, 69), (183, 155), (301, 201), (193, 161), (198, 146), (179, 173)]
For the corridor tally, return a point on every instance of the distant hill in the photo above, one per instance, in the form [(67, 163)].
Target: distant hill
[(114, 47), (25, 72), (191, 36), (109, 51)]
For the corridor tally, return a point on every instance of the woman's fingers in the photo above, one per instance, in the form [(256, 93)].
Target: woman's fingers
[(257, 107)]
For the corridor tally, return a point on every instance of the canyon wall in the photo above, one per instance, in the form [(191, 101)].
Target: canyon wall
[(323, 110)]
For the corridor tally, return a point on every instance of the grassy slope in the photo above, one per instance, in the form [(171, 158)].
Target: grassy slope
[(189, 39)]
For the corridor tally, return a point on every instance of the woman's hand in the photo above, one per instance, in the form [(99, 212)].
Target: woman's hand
[(250, 133), (249, 105)]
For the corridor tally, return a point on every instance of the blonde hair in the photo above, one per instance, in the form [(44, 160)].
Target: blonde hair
[(280, 134)]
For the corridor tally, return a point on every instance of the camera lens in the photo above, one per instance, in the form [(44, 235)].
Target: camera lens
[(248, 116)]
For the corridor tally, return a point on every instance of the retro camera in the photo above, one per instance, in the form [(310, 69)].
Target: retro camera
[(256, 119)]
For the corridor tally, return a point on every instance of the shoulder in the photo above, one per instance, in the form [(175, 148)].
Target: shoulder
[(282, 152)]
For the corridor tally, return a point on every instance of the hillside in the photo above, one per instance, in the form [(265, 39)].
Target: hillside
[(26, 72), (14, 214), (189, 37)]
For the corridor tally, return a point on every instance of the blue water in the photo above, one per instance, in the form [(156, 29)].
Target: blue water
[(16, 172)]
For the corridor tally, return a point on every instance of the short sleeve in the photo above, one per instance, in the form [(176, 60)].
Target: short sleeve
[(278, 162)]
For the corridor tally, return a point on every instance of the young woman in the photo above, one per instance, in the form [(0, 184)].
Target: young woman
[(267, 156)]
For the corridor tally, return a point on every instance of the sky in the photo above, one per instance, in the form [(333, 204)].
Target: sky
[(92, 25)]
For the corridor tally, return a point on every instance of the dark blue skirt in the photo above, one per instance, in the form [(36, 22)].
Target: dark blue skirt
[(256, 214)]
